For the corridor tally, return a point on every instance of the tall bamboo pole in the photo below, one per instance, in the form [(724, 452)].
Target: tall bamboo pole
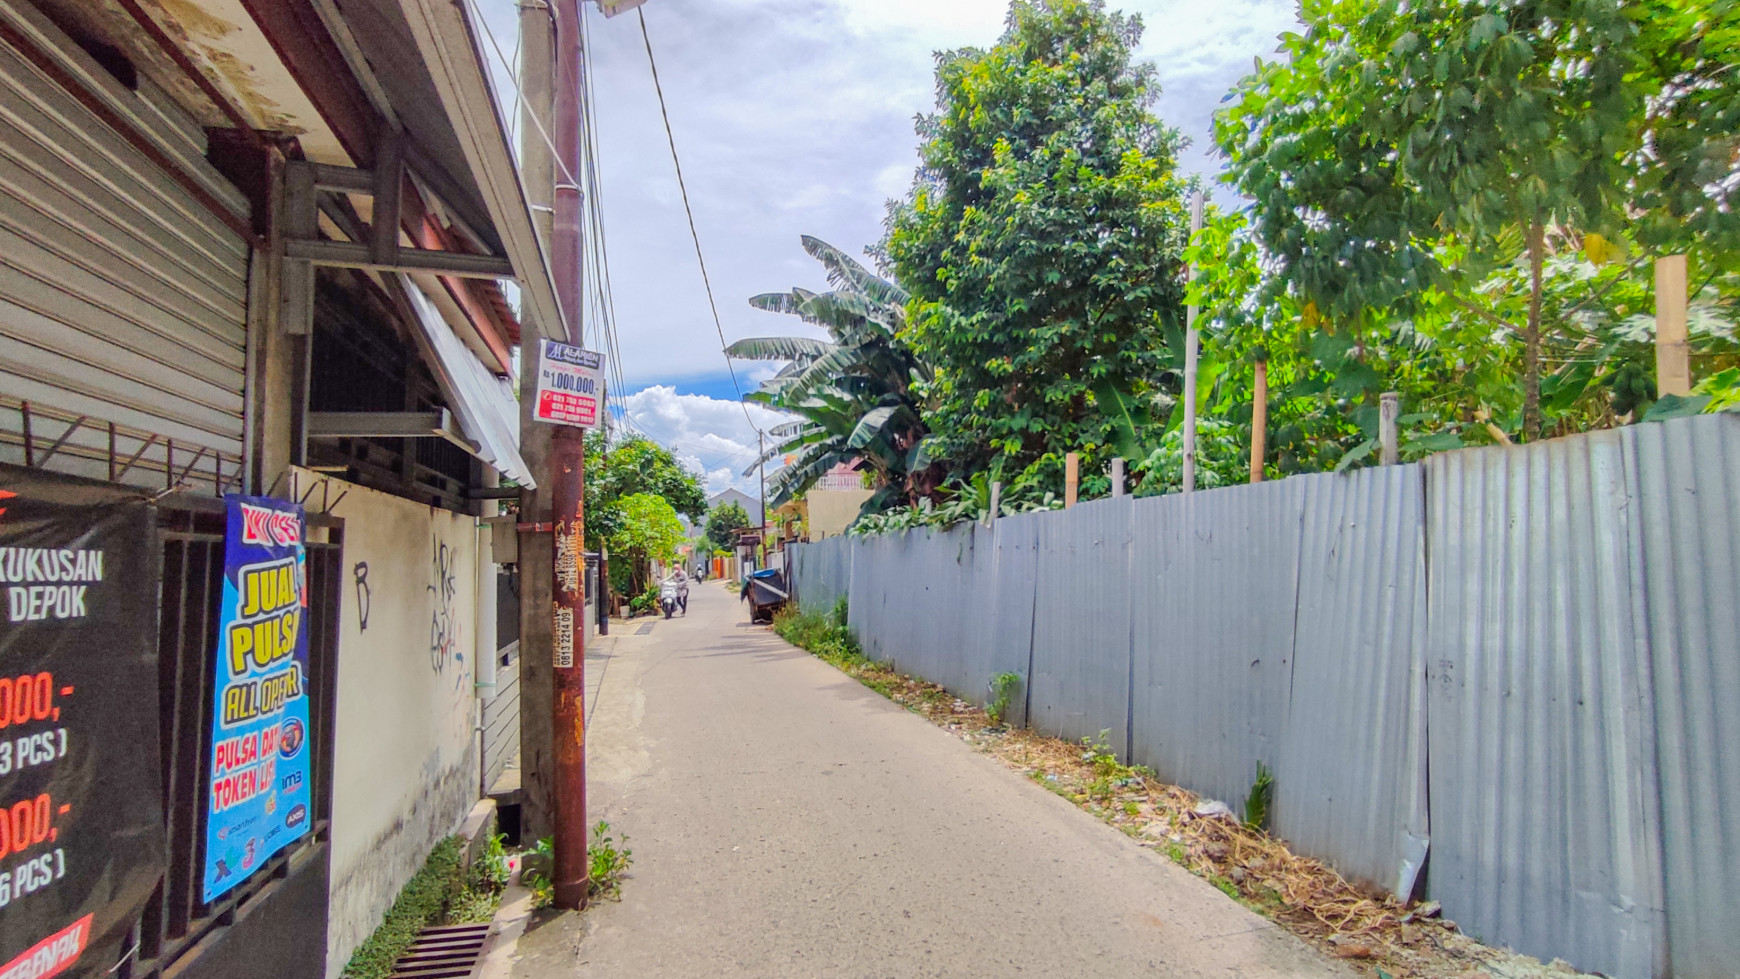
[(1191, 344)]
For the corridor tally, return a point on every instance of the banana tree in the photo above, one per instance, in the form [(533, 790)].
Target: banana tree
[(852, 393)]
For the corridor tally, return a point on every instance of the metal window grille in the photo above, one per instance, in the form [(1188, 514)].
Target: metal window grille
[(175, 921)]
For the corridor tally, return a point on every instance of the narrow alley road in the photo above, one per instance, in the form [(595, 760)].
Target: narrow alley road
[(787, 821)]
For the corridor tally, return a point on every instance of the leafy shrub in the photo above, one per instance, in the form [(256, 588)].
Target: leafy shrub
[(425, 898)]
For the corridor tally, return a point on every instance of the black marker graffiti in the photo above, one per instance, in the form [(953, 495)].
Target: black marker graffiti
[(443, 622), (364, 596)]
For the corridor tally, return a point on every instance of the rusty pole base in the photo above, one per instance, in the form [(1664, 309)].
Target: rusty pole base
[(571, 896)]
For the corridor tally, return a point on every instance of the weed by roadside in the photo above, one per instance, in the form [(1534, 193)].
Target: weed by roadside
[(481, 898), (1003, 687), (1373, 931), (607, 866)]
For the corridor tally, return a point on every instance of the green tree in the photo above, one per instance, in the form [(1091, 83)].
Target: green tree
[(724, 523), (853, 392), (1406, 148), (1685, 185), (646, 529), (634, 465), (1041, 241)]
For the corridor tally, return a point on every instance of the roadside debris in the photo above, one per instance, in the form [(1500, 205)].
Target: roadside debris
[(1370, 930)]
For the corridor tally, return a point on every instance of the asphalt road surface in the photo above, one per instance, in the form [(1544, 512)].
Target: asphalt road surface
[(787, 821)]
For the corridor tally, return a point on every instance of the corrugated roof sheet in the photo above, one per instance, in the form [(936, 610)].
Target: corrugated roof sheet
[(489, 414)]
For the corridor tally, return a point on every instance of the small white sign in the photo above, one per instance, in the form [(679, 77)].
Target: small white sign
[(570, 385)]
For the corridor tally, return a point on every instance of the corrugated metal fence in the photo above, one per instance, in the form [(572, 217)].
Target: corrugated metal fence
[(1551, 631)]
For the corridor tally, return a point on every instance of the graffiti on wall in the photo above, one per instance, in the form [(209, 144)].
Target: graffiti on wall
[(364, 595), (444, 616)]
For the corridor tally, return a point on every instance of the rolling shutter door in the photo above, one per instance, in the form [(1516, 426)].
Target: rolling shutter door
[(122, 299)]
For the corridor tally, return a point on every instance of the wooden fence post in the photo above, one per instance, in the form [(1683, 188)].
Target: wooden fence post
[(996, 502), (1118, 476), (1389, 407), (1673, 368), (1259, 420), (1071, 478)]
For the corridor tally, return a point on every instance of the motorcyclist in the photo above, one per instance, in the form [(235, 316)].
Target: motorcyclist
[(680, 578)]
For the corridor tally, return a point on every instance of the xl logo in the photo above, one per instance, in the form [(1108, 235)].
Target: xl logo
[(263, 526)]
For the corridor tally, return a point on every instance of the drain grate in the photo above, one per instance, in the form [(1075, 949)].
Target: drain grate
[(452, 952), (645, 630)]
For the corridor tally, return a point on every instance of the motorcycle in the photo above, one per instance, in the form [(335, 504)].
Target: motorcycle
[(674, 595)]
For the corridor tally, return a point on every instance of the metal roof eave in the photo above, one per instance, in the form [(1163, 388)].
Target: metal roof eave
[(448, 44)]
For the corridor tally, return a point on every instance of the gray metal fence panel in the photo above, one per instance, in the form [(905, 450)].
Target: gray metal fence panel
[(1689, 495), (1213, 633), (936, 591), (1012, 590), (1080, 678), (1350, 786), (1541, 763), (821, 572), (875, 594)]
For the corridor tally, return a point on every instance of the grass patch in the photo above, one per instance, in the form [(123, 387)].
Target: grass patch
[(423, 902)]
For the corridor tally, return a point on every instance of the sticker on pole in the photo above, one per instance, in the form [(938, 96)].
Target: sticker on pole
[(570, 385)]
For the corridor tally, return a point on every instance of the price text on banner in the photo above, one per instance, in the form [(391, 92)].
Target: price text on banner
[(570, 385), (81, 812)]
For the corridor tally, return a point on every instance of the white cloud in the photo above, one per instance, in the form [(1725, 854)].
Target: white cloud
[(709, 435), (795, 117)]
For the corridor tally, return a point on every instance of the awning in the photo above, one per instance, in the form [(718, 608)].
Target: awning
[(489, 414)]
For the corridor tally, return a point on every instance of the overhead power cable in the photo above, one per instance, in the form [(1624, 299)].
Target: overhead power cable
[(689, 211)]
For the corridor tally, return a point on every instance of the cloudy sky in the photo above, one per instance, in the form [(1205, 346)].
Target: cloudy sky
[(796, 117)]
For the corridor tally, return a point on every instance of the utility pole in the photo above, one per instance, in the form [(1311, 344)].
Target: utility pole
[(1191, 344), (538, 173), (761, 450), (567, 464)]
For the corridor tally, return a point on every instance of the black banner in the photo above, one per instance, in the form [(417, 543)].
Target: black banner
[(81, 813)]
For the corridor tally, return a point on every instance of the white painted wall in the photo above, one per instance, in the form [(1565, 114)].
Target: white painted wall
[(406, 764)]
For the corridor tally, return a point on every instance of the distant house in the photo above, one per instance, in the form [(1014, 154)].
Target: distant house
[(835, 500), (750, 504)]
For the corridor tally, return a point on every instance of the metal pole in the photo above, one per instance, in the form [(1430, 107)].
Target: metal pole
[(761, 449), (1118, 476), (603, 590), (1191, 344), (568, 458)]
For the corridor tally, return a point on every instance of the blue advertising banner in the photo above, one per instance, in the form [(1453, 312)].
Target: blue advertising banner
[(258, 768)]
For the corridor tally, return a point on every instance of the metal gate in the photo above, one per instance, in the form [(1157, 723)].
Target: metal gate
[(123, 300), (282, 906)]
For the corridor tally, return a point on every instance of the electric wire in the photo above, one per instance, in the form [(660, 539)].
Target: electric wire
[(683, 189), (603, 292)]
